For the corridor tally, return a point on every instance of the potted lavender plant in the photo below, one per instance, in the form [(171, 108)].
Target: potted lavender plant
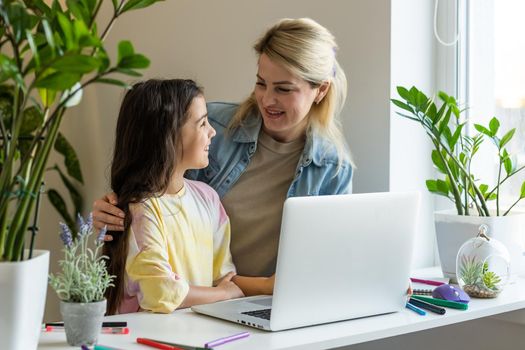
[(82, 283)]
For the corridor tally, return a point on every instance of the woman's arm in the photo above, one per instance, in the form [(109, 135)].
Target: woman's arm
[(255, 285), (225, 290)]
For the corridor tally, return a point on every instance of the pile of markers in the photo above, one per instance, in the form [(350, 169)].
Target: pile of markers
[(107, 327), (444, 295)]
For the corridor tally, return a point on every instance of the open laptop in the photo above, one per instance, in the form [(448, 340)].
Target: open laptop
[(340, 257)]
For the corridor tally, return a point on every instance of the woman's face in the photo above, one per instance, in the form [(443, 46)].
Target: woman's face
[(284, 100), (196, 136)]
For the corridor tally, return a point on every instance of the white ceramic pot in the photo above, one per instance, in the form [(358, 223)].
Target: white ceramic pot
[(453, 230), (23, 287)]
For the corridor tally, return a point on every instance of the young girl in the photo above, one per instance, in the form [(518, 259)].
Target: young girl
[(175, 249)]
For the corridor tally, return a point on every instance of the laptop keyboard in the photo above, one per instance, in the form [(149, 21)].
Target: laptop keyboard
[(264, 313)]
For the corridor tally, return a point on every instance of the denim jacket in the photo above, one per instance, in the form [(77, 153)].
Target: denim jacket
[(231, 151)]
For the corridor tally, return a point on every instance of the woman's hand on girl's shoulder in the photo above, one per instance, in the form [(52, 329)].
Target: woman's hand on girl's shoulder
[(230, 289), (106, 214)]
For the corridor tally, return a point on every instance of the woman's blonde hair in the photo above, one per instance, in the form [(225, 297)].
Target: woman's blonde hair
[(308, 50)]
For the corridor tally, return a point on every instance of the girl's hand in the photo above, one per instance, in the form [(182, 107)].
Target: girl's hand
[(270, 282), (230, 289), (409, 290), (105, 213)]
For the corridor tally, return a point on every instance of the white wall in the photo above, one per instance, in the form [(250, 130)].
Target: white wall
[(412, 64), (211, 41)]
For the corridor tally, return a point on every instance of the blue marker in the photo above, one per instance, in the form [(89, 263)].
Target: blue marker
[(416, 309)]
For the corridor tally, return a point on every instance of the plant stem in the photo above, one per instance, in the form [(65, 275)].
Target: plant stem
[(471, 182), (15, 238), (94, 15), (113, 18), (498, 186), (506, 178), (512, 206)]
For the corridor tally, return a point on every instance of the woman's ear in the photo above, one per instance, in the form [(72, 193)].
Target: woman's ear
[(322, 91)]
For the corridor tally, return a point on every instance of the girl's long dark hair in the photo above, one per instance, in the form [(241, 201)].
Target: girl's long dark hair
[(148, 133)]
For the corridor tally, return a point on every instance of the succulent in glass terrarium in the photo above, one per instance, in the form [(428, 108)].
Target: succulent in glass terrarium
[(483, 265)]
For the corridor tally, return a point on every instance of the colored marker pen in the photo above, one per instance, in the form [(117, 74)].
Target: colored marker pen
[(104, 330), (415, 309)]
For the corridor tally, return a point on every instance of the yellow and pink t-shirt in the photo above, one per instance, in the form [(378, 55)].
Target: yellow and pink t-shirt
[(175, 241)]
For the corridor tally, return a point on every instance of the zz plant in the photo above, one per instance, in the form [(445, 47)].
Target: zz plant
[(50, 52), (454, 151)]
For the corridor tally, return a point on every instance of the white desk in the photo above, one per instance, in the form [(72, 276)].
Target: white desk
[(186, 327)]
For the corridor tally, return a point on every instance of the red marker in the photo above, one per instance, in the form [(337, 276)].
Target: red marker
[(156, 345)]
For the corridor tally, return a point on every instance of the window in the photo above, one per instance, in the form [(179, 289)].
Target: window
[(492, 82)]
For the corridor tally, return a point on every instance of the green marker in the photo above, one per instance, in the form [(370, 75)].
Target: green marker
[(442, 302)]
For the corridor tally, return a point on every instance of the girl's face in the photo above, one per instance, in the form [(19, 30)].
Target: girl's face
[(196, 137), (284, 100)]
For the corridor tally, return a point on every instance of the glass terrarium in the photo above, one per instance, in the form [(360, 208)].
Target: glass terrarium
[(483, 265)]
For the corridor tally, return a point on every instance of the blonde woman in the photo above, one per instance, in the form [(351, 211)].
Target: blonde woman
[(283, 141)]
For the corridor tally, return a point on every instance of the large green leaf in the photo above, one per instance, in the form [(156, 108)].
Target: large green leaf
[(404, 93), (32, 43), (438, 162), (103, 59), (136, 61), (130, 72), (49, 34), (9, 70), (455, 137), (47, 96), (20, 20), (402, 105), (482, 129), (442, 187), (507, 137), (443, 97), (431, 112), (125, 49), (90, 5), (74, 63), (63, 147), (58, 81), (67, 31), (494, 126), (79, 10), (137, 4), (421, 101), (60, 205), (83, 35), (443, 123), (438, 187), (522, 192), (507, 162)]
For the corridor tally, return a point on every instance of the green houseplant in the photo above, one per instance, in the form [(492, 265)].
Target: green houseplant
[(82, 283), (454, 151), (50, 51), (49, 55), (452, 156)]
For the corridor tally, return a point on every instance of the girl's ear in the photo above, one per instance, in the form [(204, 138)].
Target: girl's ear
[(322, 91)]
